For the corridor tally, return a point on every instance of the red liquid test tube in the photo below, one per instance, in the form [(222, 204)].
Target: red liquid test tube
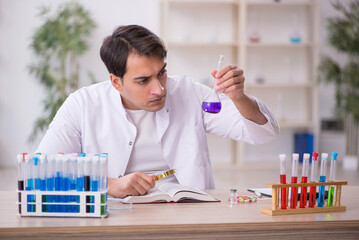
[(305, 171), (294, 190), (283, 180), (313, 178)]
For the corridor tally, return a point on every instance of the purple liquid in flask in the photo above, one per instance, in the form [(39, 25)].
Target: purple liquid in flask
[(212, 107), (212, 103)]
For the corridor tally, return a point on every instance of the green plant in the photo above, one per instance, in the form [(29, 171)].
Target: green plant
[(58, 43), (343, 36)]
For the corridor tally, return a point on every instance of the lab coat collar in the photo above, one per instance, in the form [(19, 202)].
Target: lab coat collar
[(162, 116)]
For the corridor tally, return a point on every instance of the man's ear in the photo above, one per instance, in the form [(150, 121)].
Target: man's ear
[(116, 82)]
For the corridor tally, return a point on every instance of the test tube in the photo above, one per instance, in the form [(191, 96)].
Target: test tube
[(29, 183), (28, 169), (58, 172), (294, 190), (103, 172), (42, 172), (20, 171), (313, 178), (283, 180), (95, 176), (73, 171), (50, 178), (36, 172), (80, 172), (20, 176), (322, 178), (333, 166), (87, 173), (305, 172), (65, 178)]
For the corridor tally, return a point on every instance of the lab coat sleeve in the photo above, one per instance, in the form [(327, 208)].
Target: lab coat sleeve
[(258, 134), (64, 133), (229, 123)]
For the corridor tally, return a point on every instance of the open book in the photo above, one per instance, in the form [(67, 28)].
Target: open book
[(172, 192)]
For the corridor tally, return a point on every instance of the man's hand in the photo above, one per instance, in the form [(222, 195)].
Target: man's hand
[(230, 80), (133, 184)]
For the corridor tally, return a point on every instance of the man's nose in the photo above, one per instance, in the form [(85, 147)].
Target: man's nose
[(157, 88)]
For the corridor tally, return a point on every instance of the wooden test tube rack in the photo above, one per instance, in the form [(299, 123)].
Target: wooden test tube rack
[(276, 210)]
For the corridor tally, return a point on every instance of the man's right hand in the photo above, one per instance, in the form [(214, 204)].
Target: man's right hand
[(133, 184)]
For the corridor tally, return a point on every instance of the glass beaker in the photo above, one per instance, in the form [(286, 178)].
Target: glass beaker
[(212, 103)]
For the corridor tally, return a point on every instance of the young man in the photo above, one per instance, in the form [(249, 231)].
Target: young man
[(148, 122)]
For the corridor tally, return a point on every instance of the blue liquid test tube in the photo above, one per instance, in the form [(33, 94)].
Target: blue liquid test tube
[(43, 168), (58, 172), (50, 178), (36, 172), (28, 169), (80, 172), (103, 172), (95, 176), (322, 178), (73, 171), (65, 179), (58, 180), (87, 173), (29, 183)]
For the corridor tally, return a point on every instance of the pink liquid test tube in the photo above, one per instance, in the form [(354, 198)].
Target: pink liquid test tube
[(313, 178), (305, 172), (294, 190), (283, 180)]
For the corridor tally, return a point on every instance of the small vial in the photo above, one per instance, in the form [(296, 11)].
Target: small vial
[(233, 197)]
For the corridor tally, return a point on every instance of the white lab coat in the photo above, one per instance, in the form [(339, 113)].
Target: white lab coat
[(93, 120)]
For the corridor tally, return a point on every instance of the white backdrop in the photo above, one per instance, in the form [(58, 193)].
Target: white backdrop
[(21, 94)]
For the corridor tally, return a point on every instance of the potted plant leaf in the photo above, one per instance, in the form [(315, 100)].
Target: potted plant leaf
[(343, 36), (58, 44)]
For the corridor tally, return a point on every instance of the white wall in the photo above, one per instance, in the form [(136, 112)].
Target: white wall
[(21, 94)]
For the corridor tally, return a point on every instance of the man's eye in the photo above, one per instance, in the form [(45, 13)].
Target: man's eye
[(162, 72), (142, 82)]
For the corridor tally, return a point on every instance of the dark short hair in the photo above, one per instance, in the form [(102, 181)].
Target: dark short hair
[(126, 40)]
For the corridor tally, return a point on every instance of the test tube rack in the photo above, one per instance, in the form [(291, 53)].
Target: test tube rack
[(62, 204), (276, 210)]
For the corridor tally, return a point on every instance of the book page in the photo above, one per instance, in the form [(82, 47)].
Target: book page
[(155, 194), (172, 189)]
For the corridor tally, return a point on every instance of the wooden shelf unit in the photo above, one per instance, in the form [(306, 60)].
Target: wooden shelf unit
[(197, 31)]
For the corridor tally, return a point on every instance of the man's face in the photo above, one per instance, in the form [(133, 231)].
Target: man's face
[(144, 83)]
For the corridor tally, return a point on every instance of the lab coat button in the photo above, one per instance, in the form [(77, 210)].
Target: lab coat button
[(130, 143), (167, 110)]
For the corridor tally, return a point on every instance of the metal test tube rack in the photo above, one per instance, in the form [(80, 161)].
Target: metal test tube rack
[(275, 210)]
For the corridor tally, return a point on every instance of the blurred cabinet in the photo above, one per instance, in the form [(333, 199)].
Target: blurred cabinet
[(275, 42)]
